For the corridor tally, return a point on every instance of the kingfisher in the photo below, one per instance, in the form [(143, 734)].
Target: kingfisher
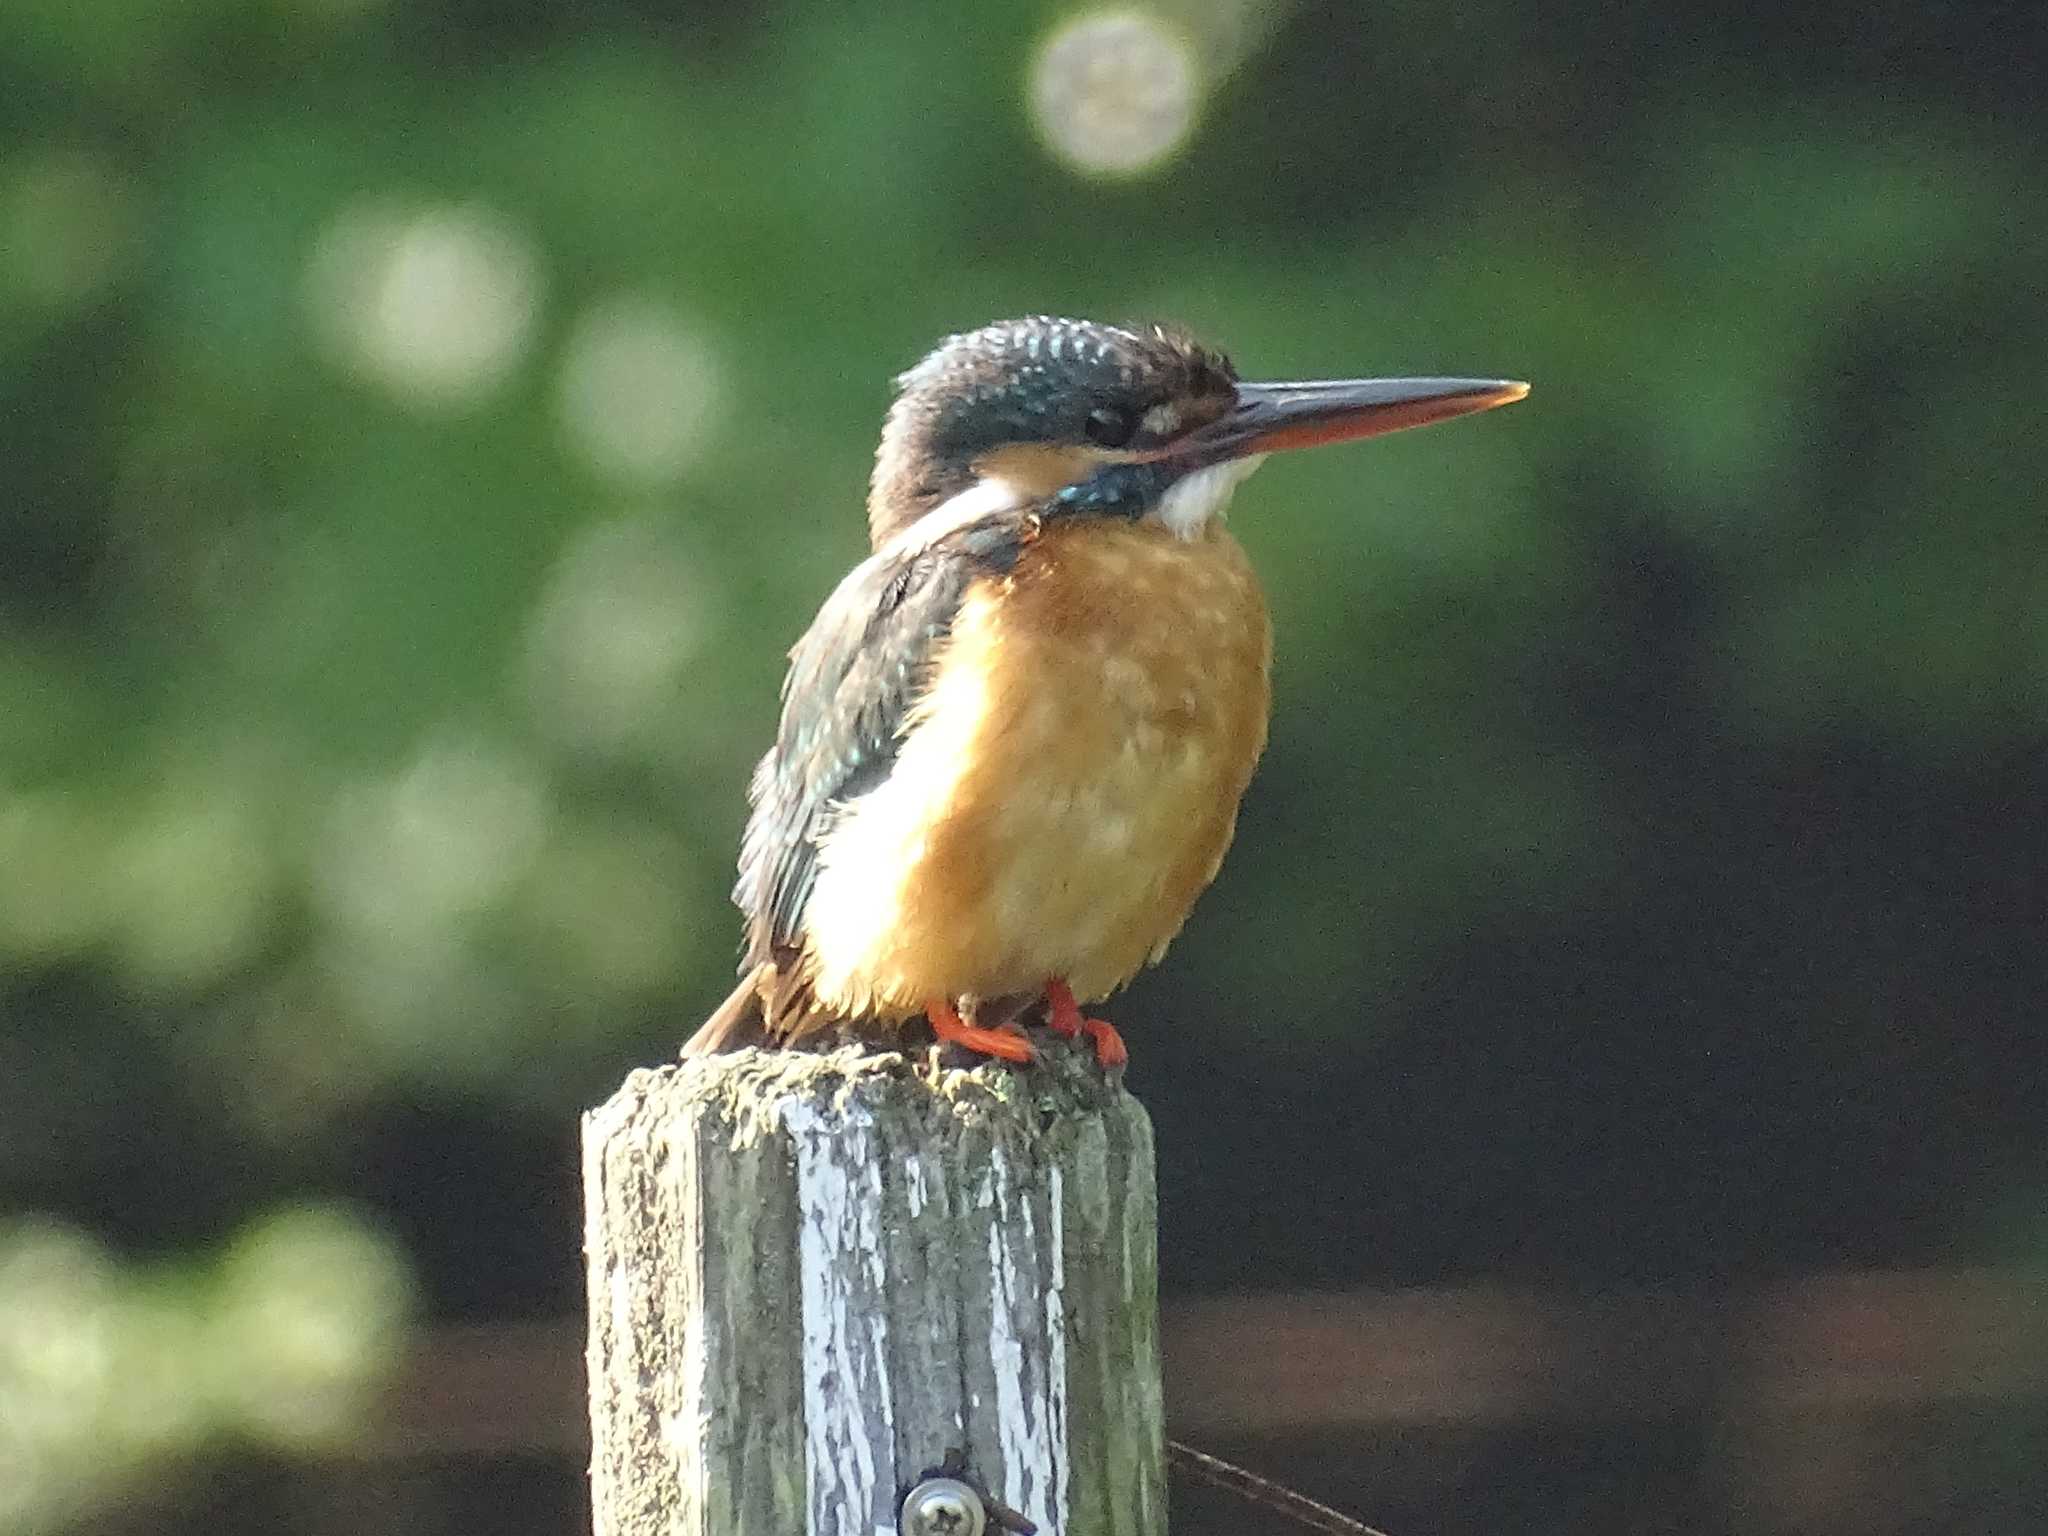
[(1014, 739)]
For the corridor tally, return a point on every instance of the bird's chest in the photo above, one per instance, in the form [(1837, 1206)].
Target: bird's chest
[(1123, 669), (1070, 780)]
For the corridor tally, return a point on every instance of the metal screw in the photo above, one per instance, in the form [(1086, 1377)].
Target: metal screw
[(942, 1506)]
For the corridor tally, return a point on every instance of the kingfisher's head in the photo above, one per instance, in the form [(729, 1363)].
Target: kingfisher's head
[(1070, 417)]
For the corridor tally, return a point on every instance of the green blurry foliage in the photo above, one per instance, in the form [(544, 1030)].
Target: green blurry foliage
[(281, 1341), (425, 426)]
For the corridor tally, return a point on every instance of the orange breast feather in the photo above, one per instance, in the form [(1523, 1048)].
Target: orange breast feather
[(1066, 788)]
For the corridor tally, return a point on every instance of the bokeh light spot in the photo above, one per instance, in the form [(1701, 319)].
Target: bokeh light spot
[(195, 889), (434, 303), (640, 392), (405, 857), (625, 612), (1115, 93), (58, 1309), (311, 1312)]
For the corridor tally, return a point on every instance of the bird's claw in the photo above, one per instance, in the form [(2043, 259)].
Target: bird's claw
[(1005, 1042), (1065, 1018)]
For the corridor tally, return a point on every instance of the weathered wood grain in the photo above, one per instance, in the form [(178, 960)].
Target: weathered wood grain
[(811, 1275)]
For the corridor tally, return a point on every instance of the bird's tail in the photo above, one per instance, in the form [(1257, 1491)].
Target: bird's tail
[(773, 1005), (742, 1019)]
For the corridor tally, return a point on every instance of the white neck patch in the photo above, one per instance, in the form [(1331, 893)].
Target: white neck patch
[(1193, 499), (985, 498), (1186, 508)]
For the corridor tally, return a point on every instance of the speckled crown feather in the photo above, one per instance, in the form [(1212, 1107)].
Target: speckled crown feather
[(1021, 381)]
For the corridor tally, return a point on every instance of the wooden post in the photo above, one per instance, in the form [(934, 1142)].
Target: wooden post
[(813, 1275)]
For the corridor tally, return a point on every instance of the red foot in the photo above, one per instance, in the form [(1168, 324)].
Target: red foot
[(1008, 1042), (1066, 1017)]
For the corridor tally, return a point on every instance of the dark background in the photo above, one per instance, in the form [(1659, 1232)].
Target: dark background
[(424, 425)]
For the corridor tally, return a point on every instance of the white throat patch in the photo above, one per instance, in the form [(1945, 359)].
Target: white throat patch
[(1193, 499)]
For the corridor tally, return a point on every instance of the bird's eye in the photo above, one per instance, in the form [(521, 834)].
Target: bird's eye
[(1109, 426)]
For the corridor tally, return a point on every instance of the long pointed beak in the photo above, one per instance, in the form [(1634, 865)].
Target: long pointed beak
[(1271, 417)]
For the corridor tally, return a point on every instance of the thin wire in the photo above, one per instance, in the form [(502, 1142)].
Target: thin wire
[(1298, 1507)]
